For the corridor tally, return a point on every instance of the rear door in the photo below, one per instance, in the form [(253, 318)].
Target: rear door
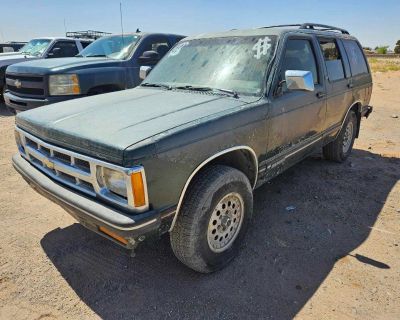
[(296, 118), (338, 81), (361, 81)]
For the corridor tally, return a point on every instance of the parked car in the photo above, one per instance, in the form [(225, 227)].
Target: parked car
[(12, 46), (41, 48), (109, 64), (220, 115)]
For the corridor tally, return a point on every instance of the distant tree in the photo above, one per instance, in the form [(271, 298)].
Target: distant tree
[(397, 47), (382, 49)]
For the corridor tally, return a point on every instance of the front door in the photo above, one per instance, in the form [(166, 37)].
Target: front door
[(296, 118)]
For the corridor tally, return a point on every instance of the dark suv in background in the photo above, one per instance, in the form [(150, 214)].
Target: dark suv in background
[(220, 115), (111, 63)]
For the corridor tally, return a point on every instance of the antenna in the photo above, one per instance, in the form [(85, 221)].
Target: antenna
[(122, 25), (65, 27)]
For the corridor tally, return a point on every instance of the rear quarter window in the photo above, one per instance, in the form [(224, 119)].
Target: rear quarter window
[(357, 61)]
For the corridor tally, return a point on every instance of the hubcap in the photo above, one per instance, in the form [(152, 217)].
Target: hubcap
[(348, 137), (225, 222)]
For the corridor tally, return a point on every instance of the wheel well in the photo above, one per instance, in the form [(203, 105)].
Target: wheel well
[(103, 89), (242, 158)]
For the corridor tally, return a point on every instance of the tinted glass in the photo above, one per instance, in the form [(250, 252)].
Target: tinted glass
[(333, 59), (64, 49), (299, 55), (358, 64), (232, 63)]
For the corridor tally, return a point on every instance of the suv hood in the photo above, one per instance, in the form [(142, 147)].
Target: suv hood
[(8, 59), (57, 65), (104, 126)]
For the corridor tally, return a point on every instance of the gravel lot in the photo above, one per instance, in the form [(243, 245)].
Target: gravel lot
[(335, 256)]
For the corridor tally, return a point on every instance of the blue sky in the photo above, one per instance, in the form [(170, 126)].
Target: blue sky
[(373, 22)]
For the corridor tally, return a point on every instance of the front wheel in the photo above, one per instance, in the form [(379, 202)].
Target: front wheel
[(213, 219), (340, 149)]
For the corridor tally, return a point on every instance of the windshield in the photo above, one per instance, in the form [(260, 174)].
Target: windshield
[(35, 47), (115, 47), (238, 64)]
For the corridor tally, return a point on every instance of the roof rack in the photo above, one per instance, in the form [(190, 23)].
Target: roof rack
[(89, 34), (323, 27), (312, 26)]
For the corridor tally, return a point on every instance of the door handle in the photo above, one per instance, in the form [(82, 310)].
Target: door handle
[(321, 95)]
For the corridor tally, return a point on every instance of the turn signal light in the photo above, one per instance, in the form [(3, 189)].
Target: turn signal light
[(138, 189), (113, 235)]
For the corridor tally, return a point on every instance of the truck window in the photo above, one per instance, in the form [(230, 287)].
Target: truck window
[(299, 55), (159, 45), (333, 59), (63, 49), (357, 61), (85, 43)]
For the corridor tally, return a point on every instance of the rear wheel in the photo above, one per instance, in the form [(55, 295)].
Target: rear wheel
[(339, 149), (213, 219)]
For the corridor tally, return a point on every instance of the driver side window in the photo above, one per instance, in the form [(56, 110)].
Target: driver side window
[(299, 55)]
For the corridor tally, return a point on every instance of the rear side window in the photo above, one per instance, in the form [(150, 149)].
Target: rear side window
[(64, 49), (85, 43), (333, 59), (358, 64), (299, 55)]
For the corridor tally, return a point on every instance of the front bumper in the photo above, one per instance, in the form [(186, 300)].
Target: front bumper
[(90, 213), (23, 104)]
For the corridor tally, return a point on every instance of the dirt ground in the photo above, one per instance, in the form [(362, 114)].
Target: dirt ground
[(335, 256)]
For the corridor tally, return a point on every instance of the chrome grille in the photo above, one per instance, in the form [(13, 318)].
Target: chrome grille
[(74, 170)]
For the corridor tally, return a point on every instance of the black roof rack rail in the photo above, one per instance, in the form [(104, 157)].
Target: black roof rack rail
[(323, 27), (88, 34), (312, 26)]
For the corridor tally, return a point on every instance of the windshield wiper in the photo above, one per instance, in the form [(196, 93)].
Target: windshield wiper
[(155, 85), (96, 56), (199, 88)]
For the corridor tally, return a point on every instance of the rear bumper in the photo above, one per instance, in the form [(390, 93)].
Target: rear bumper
[(23, 104), (366, 111), (91, 213)]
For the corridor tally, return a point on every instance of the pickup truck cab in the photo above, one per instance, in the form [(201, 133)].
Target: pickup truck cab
[(220, 115), (109, 64), (41, 48)]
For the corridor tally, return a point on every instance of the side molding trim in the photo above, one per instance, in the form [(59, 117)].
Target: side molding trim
[(201, 165)]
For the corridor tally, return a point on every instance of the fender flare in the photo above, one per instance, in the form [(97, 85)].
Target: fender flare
[(203, 164)]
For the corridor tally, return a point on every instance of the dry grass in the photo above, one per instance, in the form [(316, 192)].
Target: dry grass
[(384, 64)]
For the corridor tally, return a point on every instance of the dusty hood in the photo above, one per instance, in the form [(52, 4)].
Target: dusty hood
[(58, 65), (9, 59), (104, 126)]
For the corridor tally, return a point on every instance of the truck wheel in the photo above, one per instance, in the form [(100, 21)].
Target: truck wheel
[(213, 219), (339, 149)]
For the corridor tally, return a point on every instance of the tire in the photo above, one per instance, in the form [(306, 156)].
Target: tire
[(340, 149), (194, 239)]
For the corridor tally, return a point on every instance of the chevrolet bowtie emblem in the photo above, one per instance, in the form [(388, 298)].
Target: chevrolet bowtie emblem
[(17, 83), (48, 163)]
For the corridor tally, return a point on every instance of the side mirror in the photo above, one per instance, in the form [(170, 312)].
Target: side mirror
[(299, 80), (144, 72), (149, 57), (54, 53)]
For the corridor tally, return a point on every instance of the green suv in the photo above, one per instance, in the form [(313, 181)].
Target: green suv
[(220, 115)]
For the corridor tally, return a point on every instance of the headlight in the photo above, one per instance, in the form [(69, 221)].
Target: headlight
[(64, 84), (130, 185), (114, 181)]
